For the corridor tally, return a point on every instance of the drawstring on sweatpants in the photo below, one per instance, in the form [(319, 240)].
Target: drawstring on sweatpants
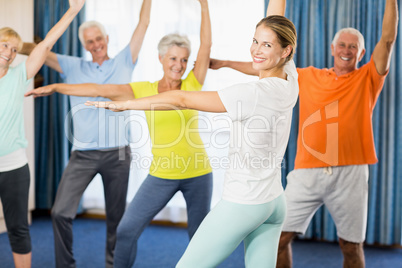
[(328, 170)]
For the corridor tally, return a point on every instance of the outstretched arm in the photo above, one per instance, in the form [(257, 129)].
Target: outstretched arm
[(139, 33), (113, 92), (241, 66), (38, 56), (208, 101), (202, 62), (383, 50), (51, 58)]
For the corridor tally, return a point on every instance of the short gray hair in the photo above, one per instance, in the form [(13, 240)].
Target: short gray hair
[(89, 24), (173, 40), (353, 31)]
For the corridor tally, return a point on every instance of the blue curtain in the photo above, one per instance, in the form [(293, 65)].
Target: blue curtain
[(316, 22), (52, 146)]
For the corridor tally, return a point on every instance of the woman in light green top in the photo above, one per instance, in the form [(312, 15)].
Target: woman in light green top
[(14, 171), (180, 162)]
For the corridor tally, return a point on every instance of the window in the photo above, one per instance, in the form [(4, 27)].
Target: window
[(233, 24)]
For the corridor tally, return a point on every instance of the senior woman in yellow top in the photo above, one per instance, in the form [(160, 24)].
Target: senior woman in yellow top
[(180, 162)]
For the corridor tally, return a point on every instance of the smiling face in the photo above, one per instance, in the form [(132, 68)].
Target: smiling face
[(96, 43), (267, 53), (347, 53), (174, 62), (8, 51)]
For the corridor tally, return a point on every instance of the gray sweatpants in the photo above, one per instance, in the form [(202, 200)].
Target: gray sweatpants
[(113, 166)]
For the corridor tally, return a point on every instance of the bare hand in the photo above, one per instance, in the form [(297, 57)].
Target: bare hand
[(215, 64), (41, 91), (76, 4), (114, 106), (204, 4)]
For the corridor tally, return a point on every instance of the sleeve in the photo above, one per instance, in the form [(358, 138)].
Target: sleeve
[(302, 72), (124, 56), (304, 77), (290, 69), (140, 89), (22, 72), (239, 100), (191, 83), (68, 64)]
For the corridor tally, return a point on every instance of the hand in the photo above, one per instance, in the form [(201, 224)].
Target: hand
[(41, 91), (114, 106), (215, 64), (203, 3), (76, 4)]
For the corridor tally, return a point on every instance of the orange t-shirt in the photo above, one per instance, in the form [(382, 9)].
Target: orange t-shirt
[(335, 127)]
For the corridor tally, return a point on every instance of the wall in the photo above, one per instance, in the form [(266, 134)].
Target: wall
[(18, 14)]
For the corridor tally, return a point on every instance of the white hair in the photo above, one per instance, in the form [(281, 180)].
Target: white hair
[(89, 24), (351, 31), (173, 40)]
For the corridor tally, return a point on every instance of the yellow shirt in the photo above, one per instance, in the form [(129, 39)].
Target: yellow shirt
[(177, 148)]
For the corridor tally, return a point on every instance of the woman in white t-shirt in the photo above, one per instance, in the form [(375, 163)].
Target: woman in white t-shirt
[(253, 206), (14, 171)]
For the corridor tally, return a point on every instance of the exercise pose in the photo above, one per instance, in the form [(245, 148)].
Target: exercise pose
[(337, 178), (99, 147), (14, 170), (253, 206), (171, 132)]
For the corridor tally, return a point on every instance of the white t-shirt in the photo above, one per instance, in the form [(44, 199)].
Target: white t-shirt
[(12, 133), (261, 113), (14, 160)]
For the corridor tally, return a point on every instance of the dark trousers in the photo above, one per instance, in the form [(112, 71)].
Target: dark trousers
[(114, 167), (14, 192)]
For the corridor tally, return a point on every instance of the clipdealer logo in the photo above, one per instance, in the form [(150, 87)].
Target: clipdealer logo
[(110, 134), (255, 131), (219, 131), (330, 156)]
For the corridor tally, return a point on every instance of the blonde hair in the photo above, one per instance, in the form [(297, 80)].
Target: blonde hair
[(284, 29), (173, 40), (7, 33)]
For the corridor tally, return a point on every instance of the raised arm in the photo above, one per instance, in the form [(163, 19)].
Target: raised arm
[(383, 50), (51, 58), (208, 101), (139, 33), (39, 53), (202, 62), (276, 7), (113, 92)]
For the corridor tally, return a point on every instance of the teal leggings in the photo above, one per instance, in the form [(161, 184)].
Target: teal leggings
[(227, 225)]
